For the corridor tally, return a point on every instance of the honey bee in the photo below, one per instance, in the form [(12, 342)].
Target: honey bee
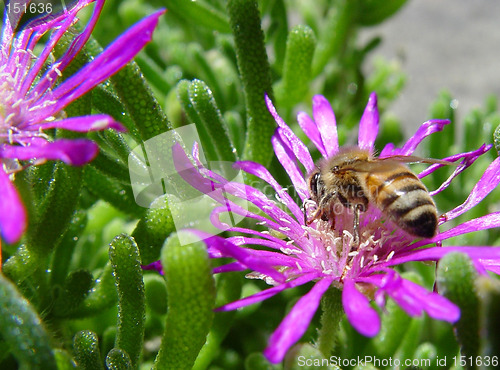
[(355, 179)]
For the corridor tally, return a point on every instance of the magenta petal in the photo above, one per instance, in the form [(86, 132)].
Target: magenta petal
[(436, 306), (358, 310), (242, 255), (286, 159), (12, 213), (388, 150), (327, 125), (156, 265), (295, 323), (368, 126), (481, 223), (289, 138), (268, 293), (487, 255), (488, 182), (229, 267), (311, 130), (427, 128), (95, 122), (109, 62), (74, 152), (261, 172)]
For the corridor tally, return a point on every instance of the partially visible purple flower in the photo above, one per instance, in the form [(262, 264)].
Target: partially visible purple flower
[(33, 98), (331, 257)]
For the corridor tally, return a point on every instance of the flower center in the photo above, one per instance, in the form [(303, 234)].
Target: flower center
[(338, 253)]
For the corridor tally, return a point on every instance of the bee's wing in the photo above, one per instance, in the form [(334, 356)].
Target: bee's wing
[(373, 165), (415, 159), (388, 164)]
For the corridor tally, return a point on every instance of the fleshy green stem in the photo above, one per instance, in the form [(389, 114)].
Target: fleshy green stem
[(332, 313), (255, 73)]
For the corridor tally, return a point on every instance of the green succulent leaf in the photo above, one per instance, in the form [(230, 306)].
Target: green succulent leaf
[(126, 262), (297, 69), (228, 290), (372, 12), (87, 353), (191, 299), (152, 230), (118, 359), (200, 13), (456, 279), (22, 328), (254, 69)]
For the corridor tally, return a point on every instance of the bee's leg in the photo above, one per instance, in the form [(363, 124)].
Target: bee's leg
[(357, 210), (320, 210), (304, 209)]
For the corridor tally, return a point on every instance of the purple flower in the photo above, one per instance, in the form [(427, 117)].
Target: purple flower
[(291, 253), (33, 98)]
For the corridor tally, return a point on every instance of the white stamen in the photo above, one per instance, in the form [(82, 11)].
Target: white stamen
[(390, 256), (281, 228), (375, 258)]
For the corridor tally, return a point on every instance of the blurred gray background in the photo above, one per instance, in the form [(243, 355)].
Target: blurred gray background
[(452, 44)]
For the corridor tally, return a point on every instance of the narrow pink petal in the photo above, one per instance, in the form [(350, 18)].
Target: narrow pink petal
[(368, 126), (240, 254), (274, 244), (295, 323), (261, 172), (75, 152), (435, 305), (311, 130), (279, 218), (327, 125), (109, 62), (268, 293), (290, 166), (436, 253), (488, 182), (389, 150), (289, 138), (49, 78), (427, 128), (468, 158), (358, 310), (481, 223), (415, 299), (391, 284), (95, 122), (156, 265), (12, 213), (229, 267)]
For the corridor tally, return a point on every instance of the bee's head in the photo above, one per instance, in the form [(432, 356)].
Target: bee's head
[(315, 185)]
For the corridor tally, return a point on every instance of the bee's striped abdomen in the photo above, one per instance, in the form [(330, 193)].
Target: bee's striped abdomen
[(406, 201)]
